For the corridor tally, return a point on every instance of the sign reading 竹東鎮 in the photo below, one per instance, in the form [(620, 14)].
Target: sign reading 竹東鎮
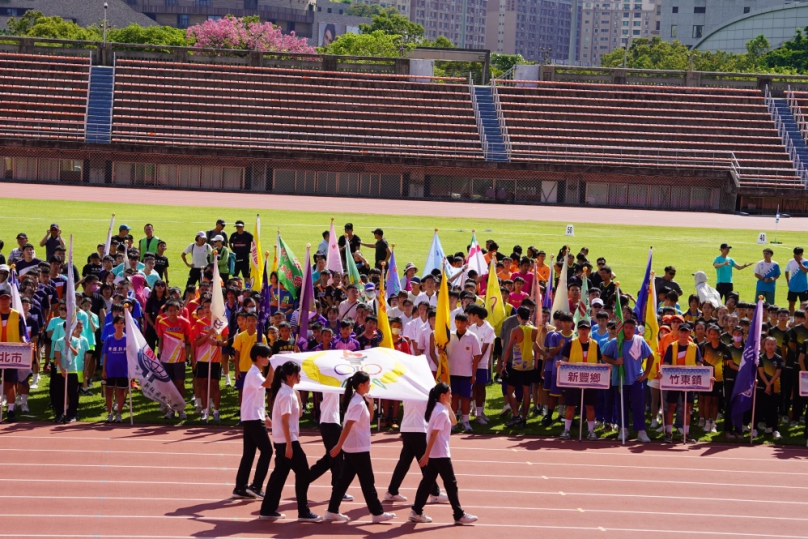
[(686, 378), (584, 375), (804, 384), (15, 355)]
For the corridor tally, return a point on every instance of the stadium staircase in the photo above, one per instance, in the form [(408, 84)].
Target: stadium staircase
[(489, 123), (99, 105)]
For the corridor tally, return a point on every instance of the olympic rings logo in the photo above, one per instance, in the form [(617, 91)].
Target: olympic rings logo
[(346, 369)]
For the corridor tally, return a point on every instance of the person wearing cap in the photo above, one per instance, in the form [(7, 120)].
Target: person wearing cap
[(218, 230), (200, 252), (13, 330), (634, 353), (52, 239), (241, 244), (582, 349), (123, 234), (382, 247), (409, 273), (666, 280), (16, 253), (352, 240), (149, 243), (371, 301), (723, 265), (767, 271), (683, 351), (796, 277), (224, 256)]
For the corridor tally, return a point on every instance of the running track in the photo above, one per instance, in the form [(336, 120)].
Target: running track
[(101, 481), (515, 212)]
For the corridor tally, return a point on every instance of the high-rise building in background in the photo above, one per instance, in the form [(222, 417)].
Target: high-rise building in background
[(461, 21), (608, 25), (539, 30)]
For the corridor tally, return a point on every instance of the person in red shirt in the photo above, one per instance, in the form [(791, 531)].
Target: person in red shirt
[(173, 333), (207, 356)]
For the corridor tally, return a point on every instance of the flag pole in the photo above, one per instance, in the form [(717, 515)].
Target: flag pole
[(2, 384), (754, 398), (64, 371), (623, 422), (684, 420), (131, 415), (581, 417)]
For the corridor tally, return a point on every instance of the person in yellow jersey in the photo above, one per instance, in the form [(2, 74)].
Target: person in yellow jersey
[(518, 365), (714, 353), (770, 367), (581, 350), (682, 351), (242, 344), (12, 329)]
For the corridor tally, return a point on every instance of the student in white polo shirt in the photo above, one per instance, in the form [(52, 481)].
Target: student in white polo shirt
[(286, 412), (254, 422), (330, 430), (486, 335), (463, 351)]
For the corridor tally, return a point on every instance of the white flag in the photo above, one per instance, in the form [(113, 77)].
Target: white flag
[(109, 235), (16, 304), (561, 300), (217, 313), (147, 369), (333, 261)]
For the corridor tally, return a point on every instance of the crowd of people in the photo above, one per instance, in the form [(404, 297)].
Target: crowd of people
[(520, 353)]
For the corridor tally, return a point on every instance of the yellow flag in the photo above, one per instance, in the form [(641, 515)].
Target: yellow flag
[(256, 257), (493, 299), (443, 326), (383, 321), (652, 327)]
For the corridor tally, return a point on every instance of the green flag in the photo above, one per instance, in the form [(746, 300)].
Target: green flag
[(290, 274), (582, 310), (353, 272)]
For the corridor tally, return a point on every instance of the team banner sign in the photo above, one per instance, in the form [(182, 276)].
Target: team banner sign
[(584, 375), (804, 384), (686, 378), (393, 375), (16, 355)]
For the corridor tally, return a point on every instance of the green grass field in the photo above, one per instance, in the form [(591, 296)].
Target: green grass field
[(624, 247)]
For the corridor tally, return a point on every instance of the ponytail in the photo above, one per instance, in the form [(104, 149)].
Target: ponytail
[(281, 374), (359, 377), (434, 395)]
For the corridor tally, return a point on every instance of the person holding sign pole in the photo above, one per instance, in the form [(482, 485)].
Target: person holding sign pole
[(680, 352), (581, 350), (12, 330), (769, 369)]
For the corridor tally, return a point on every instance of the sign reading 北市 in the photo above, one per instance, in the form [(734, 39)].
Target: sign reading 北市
[(804, 384), (686, 378), (15, 355), (584, 375)]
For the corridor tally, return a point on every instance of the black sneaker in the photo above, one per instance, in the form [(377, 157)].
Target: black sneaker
[(11, 417), (668, 438), (310, 517), (515, 421), (59, 419), (243, 494), (547, 421), (690, 440), (271, 516), (256, 491)]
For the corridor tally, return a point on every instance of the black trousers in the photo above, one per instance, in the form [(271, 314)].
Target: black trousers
[(330, 433), (436, 467), (413, 446), (729, 385), (255, 437), (768, 406), (58, 394), (788, 380), (283, 465), (194, 276), (151, 337), (356, 464), (242, 267), (724, 289)]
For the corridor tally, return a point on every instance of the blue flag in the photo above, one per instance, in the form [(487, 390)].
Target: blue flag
[(306, 301), (547, 302), (642, 295), (393, 283), (742, 393)]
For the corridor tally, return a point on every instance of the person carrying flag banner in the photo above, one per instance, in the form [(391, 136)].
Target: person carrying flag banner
[(643, 295), (651, 336), (393, 281), (493, 299), (333, 260), (742, 399), (209, 341), (476, 259), (255, 256), (442, 331), (22, 374)]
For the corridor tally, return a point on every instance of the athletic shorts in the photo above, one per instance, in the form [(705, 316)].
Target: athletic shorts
[(497, 351), (175, 371), (793, 296), (120, 382), (550, 384), (519, 378), (483, 376), (461, 386), (202, 371), (10, 376), (673, 396), (572, 396), (240, 381), (718, 390), (227, 350)]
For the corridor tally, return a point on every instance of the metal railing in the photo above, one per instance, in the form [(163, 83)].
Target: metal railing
[(779, 124), (477, 117), (503, 127), (796, 111)]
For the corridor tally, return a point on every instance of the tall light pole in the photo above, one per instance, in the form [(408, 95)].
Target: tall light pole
[(105, 21)]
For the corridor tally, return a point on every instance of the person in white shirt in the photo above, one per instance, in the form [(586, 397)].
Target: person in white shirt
[(429, 294), (286, 412), (486, 335), (348, 307), (437, 457), (200, 252), (463, 351), (413, 329), (330, 430), (355, 443), (255, 422), (413, 446)]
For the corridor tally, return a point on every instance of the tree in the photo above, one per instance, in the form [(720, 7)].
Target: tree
[(394, 24), (246, 33), (369, 10), (500, 63), (153, 35), (35, 24), (375, 44), (792, 56)]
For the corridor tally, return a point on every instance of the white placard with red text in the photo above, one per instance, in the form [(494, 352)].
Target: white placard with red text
[(584, 375), (686, 378)]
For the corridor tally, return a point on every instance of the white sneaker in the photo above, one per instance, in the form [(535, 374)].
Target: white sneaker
[(713, 427), (347, 498), (216, 418), (114, 406), (25, 409), (197, 409), (384, 517), (109, 418), (466, 426), (118, 418), (505, 409), (598, 424), (622, 432), (481, 420), (169, 414), (18, 400), (422, 518), (776, 435), (229, 382), (440, 498), (35, 384), (660, 429), (466, 519), (183, 416), (336, 517), (642, 437), (204, 416), (394, 497), (654, 424)]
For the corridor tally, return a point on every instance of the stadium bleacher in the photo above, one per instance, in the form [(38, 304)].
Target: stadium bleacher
[(43, 97), (646, 125), (293, 109)]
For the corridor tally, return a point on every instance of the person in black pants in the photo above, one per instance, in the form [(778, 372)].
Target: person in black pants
[(413, 446), (286, 411), (330, 430), (255, 423)]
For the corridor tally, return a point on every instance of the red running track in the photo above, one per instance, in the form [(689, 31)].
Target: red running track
[(101, 481)]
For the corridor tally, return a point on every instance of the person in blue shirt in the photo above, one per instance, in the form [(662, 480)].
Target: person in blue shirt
[(797, 279), (635, 350), (723, 265), (767, 271), (116, 368)]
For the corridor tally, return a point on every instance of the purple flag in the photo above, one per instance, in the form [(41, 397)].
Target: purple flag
[(642, 295), (306, 300), (263, 306), (742, 393)]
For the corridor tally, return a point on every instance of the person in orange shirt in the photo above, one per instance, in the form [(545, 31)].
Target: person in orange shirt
[(675, 322), (504, 269), (492, 250), (173, 332), (207, 355), (542, 269)]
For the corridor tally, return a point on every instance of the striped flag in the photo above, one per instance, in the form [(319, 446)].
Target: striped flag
[(476, 259), (333, 261)]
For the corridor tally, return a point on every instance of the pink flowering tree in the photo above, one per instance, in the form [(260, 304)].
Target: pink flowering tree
[(246, 33)]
